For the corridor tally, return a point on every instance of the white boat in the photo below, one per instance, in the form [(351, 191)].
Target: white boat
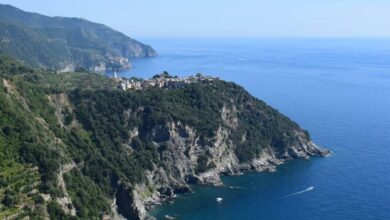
[(168, 217), (219, 199)]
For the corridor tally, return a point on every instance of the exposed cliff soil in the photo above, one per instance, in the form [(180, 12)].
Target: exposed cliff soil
[(65, 201)]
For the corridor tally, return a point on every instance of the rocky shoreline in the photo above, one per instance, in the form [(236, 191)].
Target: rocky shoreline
[(186, 136), (257, 166), (162, 187)]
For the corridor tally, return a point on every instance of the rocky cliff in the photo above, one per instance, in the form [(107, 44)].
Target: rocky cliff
[(187, 160), (98, 152), (198, 133)]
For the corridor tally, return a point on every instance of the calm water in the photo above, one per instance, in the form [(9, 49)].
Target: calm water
[(337, 89)]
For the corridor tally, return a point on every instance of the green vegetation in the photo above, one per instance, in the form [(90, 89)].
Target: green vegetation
[(24, 144), (54, 42), (197, 105), (30, 134), (56, 83), (18, 188), (91, 128), (9, 67), (88, 198)]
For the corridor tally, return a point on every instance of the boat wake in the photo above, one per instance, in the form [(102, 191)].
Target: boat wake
[(300, 192)]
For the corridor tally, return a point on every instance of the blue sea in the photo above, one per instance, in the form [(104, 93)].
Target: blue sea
[(338, 89)]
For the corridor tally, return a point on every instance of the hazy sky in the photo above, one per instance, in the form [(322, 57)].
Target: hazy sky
[(227, 18)]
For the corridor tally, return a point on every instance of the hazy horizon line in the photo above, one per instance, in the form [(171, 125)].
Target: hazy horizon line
[(266, 37)]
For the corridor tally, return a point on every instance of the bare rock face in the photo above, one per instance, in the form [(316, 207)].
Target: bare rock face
[(218, 129), (188, 160)]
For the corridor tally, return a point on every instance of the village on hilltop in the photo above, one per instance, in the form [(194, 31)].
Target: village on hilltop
[(163, 80)]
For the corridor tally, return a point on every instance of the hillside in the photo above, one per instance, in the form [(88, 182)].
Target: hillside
[(65, 44), (85, 149)]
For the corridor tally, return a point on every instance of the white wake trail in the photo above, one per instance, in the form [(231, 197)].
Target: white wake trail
[(300, 192)]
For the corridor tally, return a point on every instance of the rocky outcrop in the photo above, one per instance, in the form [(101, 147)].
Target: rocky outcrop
[(138, 148), (65, 201), (189, 159), (129, 204), (190, 135)]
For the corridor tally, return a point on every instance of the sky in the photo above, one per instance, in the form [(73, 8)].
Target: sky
[(226, 18)]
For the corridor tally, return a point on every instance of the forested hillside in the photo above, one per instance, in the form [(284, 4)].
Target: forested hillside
[(73, 146), (65, 44)]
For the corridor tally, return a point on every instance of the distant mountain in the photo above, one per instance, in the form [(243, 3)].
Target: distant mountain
[(65, 44)]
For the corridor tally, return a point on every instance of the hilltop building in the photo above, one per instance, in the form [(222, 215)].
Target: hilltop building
[(163, 80)]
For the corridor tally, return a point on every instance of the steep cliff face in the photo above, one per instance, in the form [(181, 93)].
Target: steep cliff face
[(197, 134), (96, 151), (189, 159)]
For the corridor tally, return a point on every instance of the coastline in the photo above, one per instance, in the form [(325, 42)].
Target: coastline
[(300, 93), (258, 165)]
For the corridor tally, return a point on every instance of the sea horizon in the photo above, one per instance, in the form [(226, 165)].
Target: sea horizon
[(218, 110)]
